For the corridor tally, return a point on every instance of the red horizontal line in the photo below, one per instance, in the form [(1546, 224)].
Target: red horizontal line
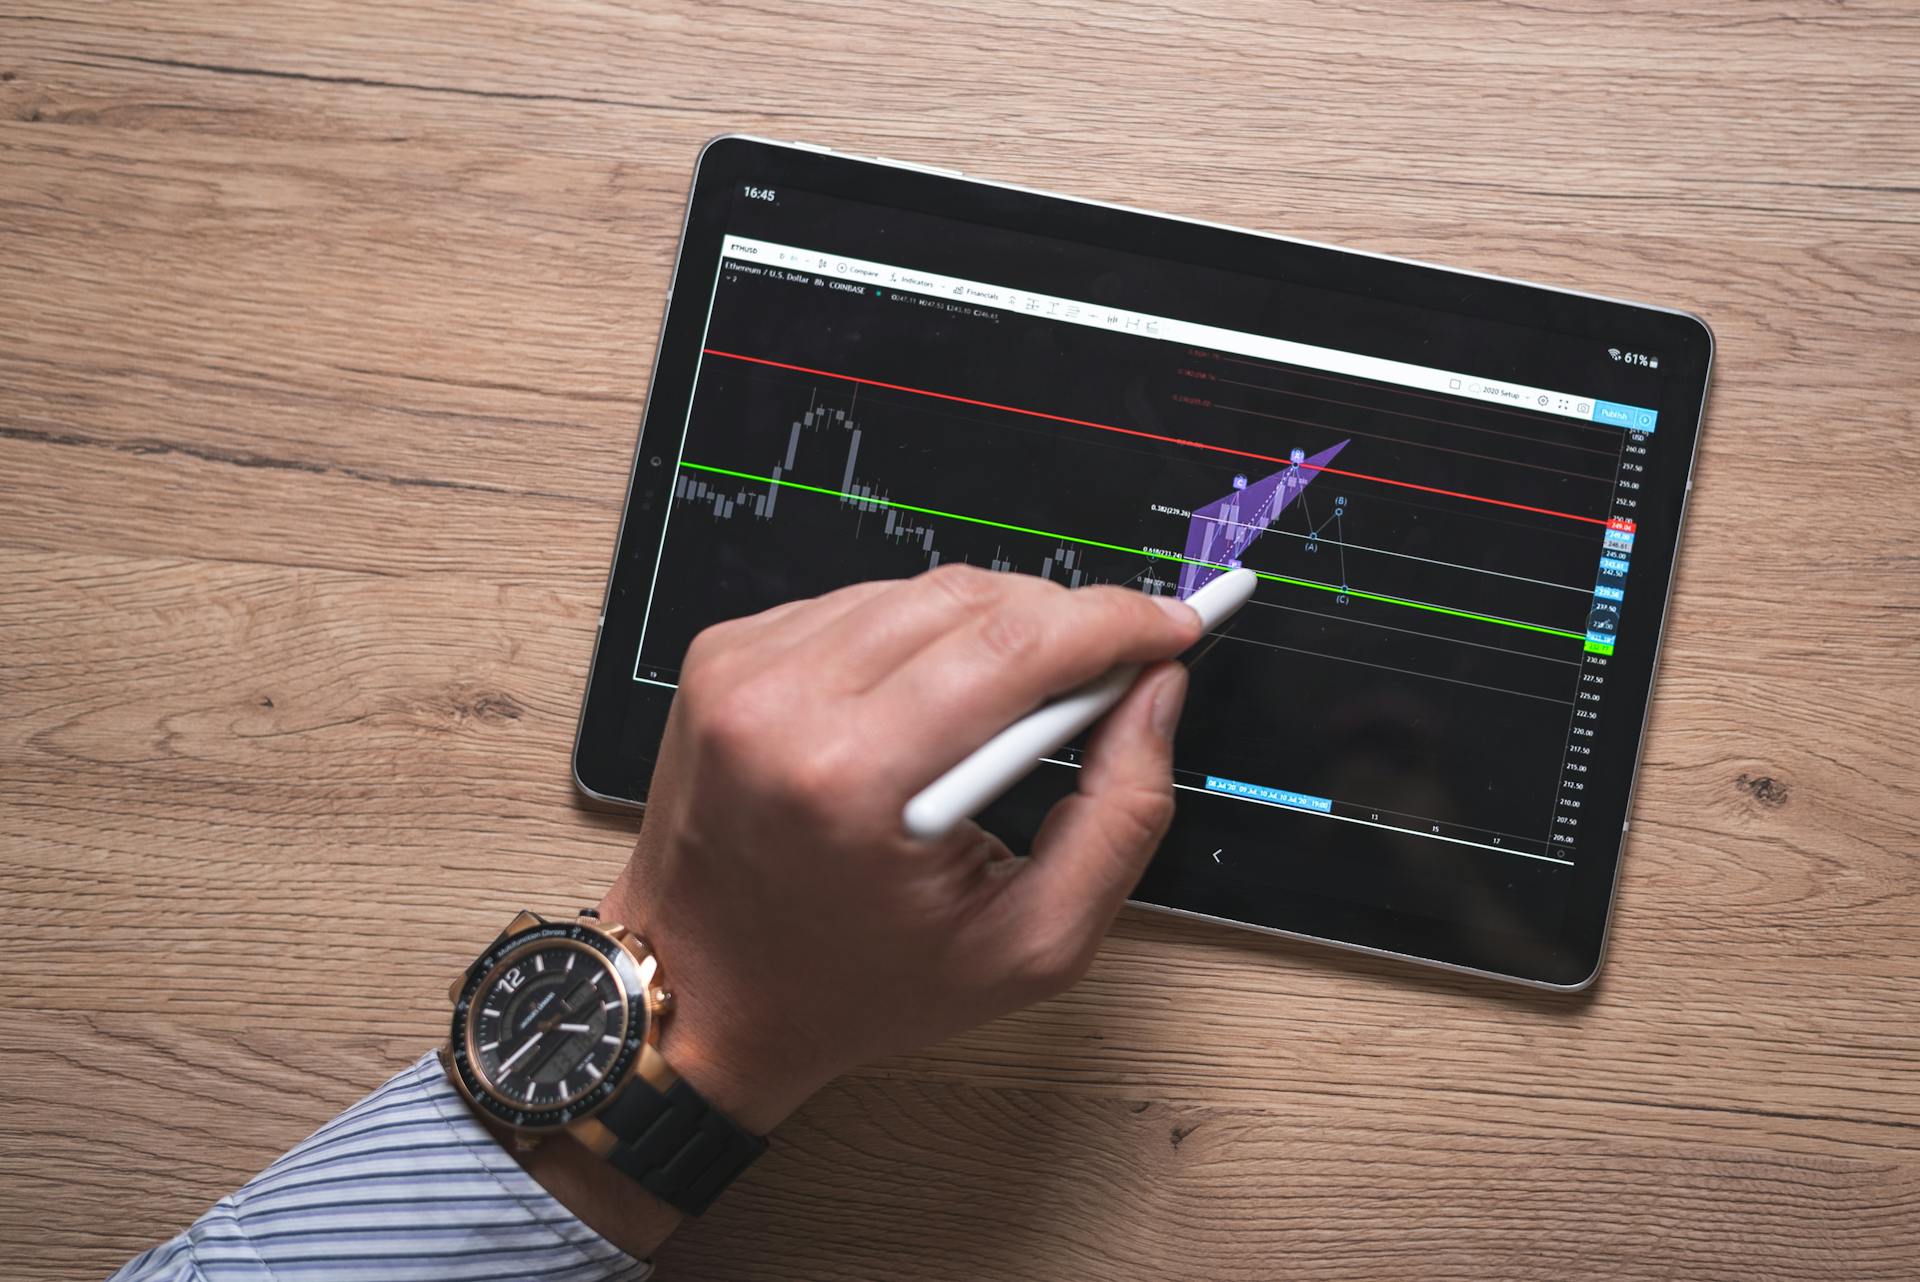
[(1151, 436)]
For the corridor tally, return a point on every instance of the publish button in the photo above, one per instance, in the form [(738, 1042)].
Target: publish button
[(1631, 417)]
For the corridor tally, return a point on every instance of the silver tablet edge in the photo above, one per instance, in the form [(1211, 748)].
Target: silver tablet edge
[(1613, 892)]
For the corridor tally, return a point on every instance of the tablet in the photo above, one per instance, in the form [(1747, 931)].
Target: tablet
[(1462, 496)]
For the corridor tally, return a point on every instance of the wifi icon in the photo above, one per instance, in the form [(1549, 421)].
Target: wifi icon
[(1614, 352)]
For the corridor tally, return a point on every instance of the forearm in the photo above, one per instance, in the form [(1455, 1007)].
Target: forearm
[(404, 1185), (802, 929)]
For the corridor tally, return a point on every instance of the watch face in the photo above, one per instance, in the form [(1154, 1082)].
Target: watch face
[(550, 1024)]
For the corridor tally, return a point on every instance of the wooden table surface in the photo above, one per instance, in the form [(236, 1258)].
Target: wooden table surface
[(324, 331)]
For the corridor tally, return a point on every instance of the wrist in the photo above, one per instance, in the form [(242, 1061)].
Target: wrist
[(711, 1039), (657, 1145), (746, 1085)]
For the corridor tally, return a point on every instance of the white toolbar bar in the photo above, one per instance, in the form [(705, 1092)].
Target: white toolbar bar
[(1075, 312)]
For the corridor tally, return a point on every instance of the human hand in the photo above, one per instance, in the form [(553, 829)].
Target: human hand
[(802, 930)]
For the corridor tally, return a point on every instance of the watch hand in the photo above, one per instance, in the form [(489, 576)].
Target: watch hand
[(553, 1024), (566, 1007), (525, 1046)]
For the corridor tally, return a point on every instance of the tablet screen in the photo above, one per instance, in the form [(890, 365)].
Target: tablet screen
[(1445, 510)]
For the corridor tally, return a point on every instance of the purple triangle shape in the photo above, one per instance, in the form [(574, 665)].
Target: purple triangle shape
[(1221, 532)]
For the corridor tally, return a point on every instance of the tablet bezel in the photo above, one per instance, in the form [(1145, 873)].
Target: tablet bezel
[(601, 767)]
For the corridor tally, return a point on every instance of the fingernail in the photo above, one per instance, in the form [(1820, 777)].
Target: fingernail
[(1169, 697), (1178, 610)]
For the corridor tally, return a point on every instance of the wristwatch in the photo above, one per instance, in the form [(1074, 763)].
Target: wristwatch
[(555, 1029)]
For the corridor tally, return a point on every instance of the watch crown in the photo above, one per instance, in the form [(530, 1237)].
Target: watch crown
[(590, 912), (661, 999)]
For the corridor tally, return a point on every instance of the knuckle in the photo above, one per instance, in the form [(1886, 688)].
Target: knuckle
[(814, 784), (706, 697), (964, 585), (745, 732), (700, 652), (726, 720), (1009, 636), (710, 646)]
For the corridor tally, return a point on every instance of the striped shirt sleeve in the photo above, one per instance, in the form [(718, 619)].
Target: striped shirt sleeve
[(403, 1186)]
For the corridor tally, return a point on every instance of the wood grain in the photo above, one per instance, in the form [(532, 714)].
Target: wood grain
[(326, 330)]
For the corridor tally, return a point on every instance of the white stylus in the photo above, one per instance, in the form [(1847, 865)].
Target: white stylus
[(1005, 759)]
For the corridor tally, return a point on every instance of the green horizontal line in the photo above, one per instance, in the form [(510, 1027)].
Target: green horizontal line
[(1117, 547)]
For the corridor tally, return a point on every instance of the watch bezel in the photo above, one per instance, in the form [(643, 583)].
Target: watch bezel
[(631, 976)]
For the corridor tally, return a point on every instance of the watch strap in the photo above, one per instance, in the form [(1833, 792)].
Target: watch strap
[(679, 1147)]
